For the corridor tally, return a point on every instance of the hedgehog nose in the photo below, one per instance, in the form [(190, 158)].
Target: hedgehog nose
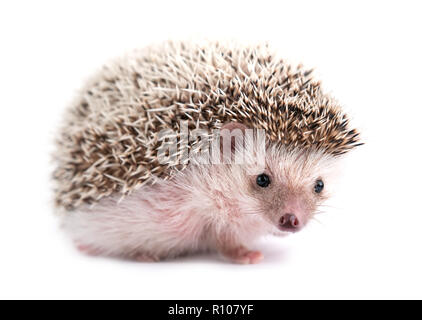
[(289, 222)]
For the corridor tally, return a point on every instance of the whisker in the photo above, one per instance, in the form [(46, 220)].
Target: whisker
[(318, 212), (317, 220), (329, 206)]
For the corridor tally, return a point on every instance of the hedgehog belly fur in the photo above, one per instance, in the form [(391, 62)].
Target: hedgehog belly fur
[(171, 218)]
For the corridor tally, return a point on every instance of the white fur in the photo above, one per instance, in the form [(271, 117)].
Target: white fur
[(194, 211)]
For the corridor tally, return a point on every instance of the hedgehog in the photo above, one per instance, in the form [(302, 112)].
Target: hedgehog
[(134, 180)]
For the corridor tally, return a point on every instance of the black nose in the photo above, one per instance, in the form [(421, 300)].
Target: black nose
[(289, 222)]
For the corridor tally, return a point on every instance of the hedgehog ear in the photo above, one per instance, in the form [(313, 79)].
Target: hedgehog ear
[(232, 136), (230, 126)]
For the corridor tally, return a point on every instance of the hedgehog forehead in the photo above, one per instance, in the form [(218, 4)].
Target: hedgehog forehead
[(298, 167)]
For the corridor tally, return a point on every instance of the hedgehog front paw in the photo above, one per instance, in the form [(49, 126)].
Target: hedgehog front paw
[(243, 256)]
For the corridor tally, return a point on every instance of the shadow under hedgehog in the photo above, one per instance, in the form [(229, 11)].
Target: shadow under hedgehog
[(116, 196)]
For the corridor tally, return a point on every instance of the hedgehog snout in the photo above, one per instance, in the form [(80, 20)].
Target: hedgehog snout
[(290, 222)]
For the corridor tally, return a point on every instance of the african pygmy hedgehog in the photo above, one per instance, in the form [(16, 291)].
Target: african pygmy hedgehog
[(117, 195)]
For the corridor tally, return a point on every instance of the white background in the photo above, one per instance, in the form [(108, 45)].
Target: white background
[(368, 54)]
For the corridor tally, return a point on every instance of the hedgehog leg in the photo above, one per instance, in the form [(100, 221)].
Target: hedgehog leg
[(230, 247), (242, 255)]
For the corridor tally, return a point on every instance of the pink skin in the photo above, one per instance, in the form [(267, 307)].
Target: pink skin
[(294, 216), (204, 208), (242, 255), (87, 250)]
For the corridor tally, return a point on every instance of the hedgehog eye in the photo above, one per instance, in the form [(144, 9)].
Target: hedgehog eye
[(319, 185), (263, 180)]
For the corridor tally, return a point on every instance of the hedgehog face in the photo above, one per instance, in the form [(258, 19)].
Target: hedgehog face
[(283, 184), (291, 187)]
